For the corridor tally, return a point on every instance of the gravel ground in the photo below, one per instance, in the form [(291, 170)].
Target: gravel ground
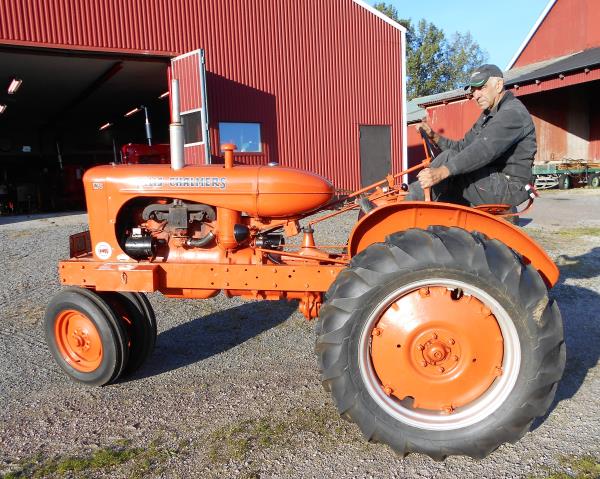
[(232, 388)]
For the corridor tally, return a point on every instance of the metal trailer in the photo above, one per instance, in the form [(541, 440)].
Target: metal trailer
[(566, 174)]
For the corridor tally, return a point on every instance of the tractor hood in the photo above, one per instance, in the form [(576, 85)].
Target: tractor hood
[(263, 191)]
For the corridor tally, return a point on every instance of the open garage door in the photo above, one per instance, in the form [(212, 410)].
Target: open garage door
[(189, 70), (72, 110)]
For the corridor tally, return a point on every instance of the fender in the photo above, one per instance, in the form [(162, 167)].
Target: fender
[(380, 222)]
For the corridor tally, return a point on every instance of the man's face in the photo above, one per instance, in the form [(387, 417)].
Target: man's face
[(489, 93)]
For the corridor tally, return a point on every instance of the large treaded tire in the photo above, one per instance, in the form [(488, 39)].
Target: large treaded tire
[(453, 254)]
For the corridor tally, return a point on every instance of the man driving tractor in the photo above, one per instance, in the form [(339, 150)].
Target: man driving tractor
[(492, 163)]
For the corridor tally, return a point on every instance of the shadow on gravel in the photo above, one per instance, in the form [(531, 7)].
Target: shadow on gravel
[(580, 310), (215, 333)]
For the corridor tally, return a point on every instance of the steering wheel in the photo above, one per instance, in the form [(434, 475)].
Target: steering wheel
[(430, 146)]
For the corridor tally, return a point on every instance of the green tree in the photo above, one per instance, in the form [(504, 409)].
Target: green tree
[(433, 63)]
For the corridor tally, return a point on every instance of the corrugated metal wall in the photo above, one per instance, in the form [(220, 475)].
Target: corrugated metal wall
[(570, 26), (310, 71)]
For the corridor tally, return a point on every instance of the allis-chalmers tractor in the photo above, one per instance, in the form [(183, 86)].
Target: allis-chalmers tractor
[(435, 331)]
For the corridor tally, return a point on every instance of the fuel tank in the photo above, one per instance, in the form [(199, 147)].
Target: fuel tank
[(262, 191)]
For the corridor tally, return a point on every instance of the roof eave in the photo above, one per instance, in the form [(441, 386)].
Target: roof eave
[(531, 33), (382, 16)]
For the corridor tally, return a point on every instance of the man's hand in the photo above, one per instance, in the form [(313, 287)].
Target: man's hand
[(428, 130), (429, 177)]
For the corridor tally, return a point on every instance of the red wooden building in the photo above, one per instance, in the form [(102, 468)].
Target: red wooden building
[(555, 72), (314, 85)]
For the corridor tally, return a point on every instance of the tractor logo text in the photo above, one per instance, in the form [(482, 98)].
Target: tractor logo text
[(187, 182)]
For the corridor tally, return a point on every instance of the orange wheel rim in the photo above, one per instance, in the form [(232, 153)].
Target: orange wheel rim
[(438, 348), (78, 340)]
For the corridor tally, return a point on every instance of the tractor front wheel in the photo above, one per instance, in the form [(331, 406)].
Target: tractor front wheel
[(440, 342), (86, 338)]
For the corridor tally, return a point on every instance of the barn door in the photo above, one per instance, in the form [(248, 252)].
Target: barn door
[(375, 153), (189, 70)]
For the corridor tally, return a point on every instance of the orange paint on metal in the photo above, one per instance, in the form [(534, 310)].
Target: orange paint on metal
[(379, 223), (226, 221), (442, 352), (78, 340), (169, 276), (228, 149)]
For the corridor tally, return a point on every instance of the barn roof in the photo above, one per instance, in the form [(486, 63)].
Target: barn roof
[(536, 72)]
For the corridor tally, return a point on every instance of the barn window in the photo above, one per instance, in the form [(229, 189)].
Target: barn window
[(246, 136), (192, 127)]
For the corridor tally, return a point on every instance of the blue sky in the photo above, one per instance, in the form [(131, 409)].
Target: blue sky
[(498, 27)]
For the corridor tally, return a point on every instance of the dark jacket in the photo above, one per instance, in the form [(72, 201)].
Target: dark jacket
[(502, 138)]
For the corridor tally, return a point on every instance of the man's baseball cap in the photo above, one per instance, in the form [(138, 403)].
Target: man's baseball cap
[(482, 74)]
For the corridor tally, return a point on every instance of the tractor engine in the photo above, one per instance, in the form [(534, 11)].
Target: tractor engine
[(201, 214), (186, 225)]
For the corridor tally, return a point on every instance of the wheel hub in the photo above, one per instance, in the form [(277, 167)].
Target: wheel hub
[(78, 340), (437, 347)]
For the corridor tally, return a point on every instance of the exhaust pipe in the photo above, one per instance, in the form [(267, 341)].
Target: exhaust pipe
[(176, 129)]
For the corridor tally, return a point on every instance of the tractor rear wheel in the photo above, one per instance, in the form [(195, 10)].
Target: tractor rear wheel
[(137, 317), (85, 337), (595, 180), (441, 342)]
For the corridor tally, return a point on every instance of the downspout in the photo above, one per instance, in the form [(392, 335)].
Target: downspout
[(404, 108)]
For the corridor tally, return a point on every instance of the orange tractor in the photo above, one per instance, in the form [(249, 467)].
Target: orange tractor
[(435, 331)]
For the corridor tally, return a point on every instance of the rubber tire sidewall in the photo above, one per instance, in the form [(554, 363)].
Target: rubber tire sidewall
[(111, 360), (141, 335)]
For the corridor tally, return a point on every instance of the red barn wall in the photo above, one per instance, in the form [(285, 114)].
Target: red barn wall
[(309, 72), (570, 26), (452, 120)]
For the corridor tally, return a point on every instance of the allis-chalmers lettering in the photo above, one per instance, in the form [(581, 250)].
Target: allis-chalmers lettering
[(187, 182)]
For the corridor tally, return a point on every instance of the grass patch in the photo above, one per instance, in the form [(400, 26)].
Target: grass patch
[(236, 442), (141, 460), (586, 467), (577, 232), (60, 466)]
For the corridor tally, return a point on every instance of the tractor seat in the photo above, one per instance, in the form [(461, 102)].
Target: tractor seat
[(499, 209)]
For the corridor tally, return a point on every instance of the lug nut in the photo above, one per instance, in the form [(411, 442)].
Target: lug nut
[(441, 369), (434, 336), (424, 292), (455, 357), (388, 390), (451, 341), (420, 347), (376, 332), (424, 364)]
